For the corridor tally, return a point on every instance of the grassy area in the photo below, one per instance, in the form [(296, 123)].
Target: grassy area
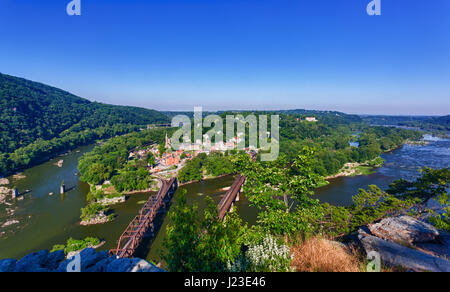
[(363, 170), (76, 245)]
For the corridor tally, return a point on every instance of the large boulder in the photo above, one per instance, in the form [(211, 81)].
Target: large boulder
[(101, 265), (395, 255), (404, 230), (54, 258), (88, 258), (8, 265), (34, 262), (441, 248), (90, 261)]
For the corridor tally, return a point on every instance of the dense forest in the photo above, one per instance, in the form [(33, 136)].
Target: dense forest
[(110, 160), (332, 141), (38, 121), (213, 165), (337, 137)]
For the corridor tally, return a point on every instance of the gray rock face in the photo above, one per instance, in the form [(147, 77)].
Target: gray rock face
[(90, 261), (54, 258), (440, 249), (434, 205), (7, 265), (34, 262), (131, 265), (88, 258), (404, 230), (394, 255)]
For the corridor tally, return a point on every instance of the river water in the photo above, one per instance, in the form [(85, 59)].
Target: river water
[(45, 220), (401, 163)]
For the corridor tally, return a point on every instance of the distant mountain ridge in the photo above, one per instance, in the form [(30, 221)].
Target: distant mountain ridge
[(32, 112), (438, 125)]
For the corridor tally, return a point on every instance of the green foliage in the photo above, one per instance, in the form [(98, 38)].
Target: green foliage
[(276, 188), (132, 180), (436, 125), (441, 221), (96, 173), (151, 160), (38, 121), (431, 183), (103, 161), (214, 164), (375, 204), (192, 171), (57, 247), (76, 245), (331, 141), (217, 164), (91, 210), (201, 244)]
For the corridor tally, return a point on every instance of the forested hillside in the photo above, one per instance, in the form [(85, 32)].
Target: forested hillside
[(38, 120)]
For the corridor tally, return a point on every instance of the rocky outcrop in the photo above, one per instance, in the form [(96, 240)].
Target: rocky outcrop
[(9, 223), (432, 208), (408, 243), (4, 193), (90, 261), (112, 201), (396, 255), (100, 218), (404, 230), (441, 248)]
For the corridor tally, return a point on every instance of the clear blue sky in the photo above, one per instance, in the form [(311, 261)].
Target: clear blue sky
[(236, 54)]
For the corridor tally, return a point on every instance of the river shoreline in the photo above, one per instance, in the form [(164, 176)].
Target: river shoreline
[(205, 179)]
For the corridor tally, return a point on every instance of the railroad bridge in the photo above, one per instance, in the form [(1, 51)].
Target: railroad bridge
[(231, 197), (143, 222)]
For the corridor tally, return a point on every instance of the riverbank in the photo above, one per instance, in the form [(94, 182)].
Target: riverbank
[(205, 178), (358, 168)]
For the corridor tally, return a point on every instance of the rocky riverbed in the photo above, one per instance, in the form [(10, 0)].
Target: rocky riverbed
[(100, 218), (4, 181), (112, 201), (90, 261)]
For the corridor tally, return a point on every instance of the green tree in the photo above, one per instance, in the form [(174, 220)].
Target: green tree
[(162, 149), (197, 243), (151, 159), (277, 188), (431, 183)]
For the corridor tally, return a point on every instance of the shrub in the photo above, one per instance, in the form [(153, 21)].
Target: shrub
[(57, 247), (76, 245), (91, 210), (267, 256)]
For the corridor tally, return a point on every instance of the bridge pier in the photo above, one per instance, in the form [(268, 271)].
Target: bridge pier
[(231, 197), (143, 224)]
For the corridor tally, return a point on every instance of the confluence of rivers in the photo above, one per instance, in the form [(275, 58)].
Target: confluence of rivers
[(46, 220)]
